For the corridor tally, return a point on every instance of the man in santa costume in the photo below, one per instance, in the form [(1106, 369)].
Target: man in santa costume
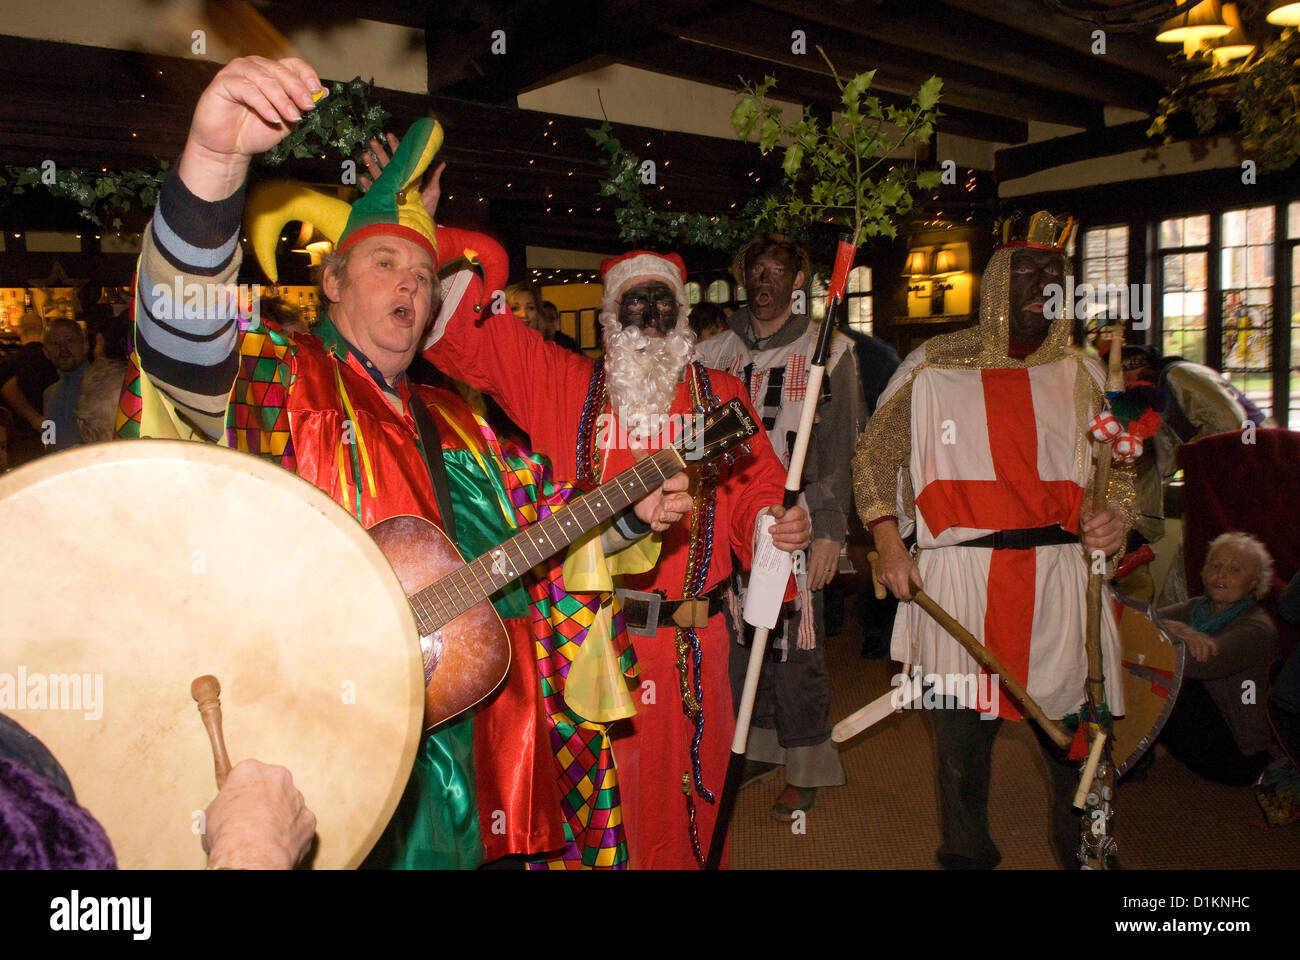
[(981, 443), (587, 416)]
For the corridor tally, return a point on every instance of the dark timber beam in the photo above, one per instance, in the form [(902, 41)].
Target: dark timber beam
[(809, 83), (765, 34), (1011, 163), (959, 37), (1136, 52)]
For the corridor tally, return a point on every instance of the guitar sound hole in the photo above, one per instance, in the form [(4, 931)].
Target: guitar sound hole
[(431, 647)]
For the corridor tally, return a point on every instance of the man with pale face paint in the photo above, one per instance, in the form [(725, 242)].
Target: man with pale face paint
[(65, 347), (588, 416), (768, 345), (981, 444)]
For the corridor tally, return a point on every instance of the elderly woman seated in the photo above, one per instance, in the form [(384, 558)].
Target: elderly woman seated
[(1218, 726)]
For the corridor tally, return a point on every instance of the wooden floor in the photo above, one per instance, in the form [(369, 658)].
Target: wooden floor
[(887, 816)]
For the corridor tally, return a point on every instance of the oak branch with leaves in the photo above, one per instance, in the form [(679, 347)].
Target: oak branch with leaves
[(829, 166)]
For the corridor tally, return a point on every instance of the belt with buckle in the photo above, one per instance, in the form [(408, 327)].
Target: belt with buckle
[(1024, 539), (644, 613)]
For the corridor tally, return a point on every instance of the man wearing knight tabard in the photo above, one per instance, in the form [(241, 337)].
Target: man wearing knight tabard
[(583, 413), (768, 345), (336, 407), (981, 442)]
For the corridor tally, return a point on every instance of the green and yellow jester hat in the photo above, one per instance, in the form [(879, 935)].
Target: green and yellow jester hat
[(392, 207)]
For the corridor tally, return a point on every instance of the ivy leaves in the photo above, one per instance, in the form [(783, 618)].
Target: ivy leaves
[(638, 223), (828, 164), (105, 196), (1261, 92), (345, 122)]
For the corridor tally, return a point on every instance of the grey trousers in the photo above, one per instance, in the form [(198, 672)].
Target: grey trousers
[(791, 724)]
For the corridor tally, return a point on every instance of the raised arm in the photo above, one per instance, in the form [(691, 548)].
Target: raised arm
[(185, 311)]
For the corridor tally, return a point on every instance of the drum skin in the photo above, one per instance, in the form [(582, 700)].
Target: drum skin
[(137, 566)]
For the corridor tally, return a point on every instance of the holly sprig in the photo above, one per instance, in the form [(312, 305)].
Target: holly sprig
[(829, 166)]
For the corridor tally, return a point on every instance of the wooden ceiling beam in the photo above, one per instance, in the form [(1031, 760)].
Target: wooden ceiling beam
[(765, 34), (933, 32), (809, 83), (1136, 52)]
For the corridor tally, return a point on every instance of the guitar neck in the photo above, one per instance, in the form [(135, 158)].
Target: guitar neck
[(450, 596)]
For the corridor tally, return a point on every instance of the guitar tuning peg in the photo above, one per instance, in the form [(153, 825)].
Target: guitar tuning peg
[(745, 449), (728, 458), (698, 408)]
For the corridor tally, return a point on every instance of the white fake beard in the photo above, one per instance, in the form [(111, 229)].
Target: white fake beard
[(641, 373)]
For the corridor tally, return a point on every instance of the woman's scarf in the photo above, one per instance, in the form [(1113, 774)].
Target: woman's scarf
[(1206, 620)]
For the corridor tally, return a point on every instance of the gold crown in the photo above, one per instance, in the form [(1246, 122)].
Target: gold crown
[(1042, 229)]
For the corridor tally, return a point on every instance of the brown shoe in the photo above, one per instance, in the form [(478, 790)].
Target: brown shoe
[(793, 800)]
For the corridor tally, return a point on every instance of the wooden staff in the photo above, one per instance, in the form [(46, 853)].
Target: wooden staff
[(1095, 847), (206, 690), (844, 255), (1100, 481), (984, 657)]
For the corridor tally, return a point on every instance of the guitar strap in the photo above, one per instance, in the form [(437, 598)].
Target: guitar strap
[(431, 451)]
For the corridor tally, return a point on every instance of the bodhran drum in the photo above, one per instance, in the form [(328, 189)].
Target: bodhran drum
[(131, 568), (1152, 665)]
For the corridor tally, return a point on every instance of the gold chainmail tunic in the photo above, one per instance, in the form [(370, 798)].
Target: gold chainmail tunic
[(881, 478)]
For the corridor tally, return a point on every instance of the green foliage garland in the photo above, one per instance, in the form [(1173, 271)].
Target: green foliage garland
[(344, 122), (105, 196), (1263, 92), (639, 223)]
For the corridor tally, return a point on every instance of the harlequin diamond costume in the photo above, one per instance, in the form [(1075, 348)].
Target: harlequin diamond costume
[(981, 443), (685, 720), (483, 787)]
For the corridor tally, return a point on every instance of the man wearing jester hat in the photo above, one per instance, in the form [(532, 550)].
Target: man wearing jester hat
[(981, 444), (588, 416), (336, 407)]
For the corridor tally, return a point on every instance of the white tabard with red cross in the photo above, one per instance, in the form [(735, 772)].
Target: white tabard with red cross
[(1002, 449)]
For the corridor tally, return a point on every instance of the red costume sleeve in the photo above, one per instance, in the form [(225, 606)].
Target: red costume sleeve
[(540, 385), (759, 477)]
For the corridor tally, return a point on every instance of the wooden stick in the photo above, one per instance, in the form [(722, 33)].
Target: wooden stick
[(1089, 769), (1101, 481), (983, 656), (206, 690), (993, 665), (872, 559)]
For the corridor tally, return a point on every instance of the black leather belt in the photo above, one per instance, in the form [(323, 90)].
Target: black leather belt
[(639, 610), (1024, 539)]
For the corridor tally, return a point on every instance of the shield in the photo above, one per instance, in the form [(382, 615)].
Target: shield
[(1152, 664)]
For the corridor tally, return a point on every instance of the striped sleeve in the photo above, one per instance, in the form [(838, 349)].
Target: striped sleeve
[(187, 301)]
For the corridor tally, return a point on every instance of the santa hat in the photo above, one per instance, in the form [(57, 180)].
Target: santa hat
[(668, 267)]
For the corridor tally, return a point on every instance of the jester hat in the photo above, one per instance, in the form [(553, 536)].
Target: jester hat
[(392, 207)]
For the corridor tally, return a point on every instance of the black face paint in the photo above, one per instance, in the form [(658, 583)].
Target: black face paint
[(650, 305), (769, 284), (1031, 272)]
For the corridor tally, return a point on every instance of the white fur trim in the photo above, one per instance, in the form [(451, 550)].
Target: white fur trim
[(644, 265)]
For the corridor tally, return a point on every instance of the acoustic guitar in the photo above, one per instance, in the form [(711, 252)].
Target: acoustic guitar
[(464, 643)]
